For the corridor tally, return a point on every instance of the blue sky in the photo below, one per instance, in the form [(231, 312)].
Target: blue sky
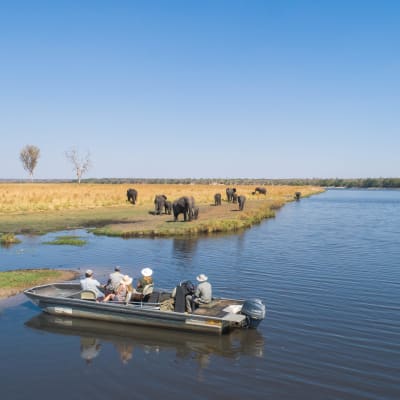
[(202, 89)]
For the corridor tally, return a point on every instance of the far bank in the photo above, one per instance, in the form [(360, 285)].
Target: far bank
[(38, 208)]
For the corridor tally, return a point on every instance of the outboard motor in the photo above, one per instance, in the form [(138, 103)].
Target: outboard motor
[(254, 310)]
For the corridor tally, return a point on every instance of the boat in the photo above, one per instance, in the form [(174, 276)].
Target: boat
[(220, 316)]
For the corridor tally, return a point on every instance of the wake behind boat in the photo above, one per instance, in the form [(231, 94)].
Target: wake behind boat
[(220, 316)]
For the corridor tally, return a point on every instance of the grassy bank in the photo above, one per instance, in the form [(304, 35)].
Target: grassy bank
[(14, 282), (37, 208)]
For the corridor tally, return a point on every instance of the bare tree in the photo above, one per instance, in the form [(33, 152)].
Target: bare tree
[(81, 164), (29, 156)]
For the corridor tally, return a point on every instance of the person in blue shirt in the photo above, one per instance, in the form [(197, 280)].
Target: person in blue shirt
[(89, 283)]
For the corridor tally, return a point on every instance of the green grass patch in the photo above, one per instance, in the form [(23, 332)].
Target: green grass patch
[(7, 239), (13, 282), (26, 277), (68, 240)]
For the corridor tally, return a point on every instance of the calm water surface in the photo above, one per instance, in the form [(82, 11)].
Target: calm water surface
[(327, 267)]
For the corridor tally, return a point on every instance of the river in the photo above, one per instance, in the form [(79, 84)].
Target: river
[(327, 268)]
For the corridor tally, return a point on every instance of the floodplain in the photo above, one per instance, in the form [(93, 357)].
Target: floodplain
[(37, 208)]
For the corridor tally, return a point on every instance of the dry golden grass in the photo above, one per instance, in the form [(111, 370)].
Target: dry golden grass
[(36, 197), (39, 208)]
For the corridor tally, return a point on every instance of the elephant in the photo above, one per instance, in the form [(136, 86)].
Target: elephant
[(297, 196), (168, 207), (234, 198), (185, 205), (132, 195), (217, 199), (260, 190), (241, 201), (229, 193), (159, 203)]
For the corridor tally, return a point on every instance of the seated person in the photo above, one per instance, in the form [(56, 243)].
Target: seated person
[(89, 283), (145, 280), (203, 293), (122, 290), (114, 280)]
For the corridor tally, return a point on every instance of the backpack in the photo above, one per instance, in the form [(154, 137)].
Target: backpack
[(188, 287)]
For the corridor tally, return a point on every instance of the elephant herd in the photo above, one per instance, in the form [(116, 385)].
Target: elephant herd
[(186, 204), (231, 197), (162, 204)]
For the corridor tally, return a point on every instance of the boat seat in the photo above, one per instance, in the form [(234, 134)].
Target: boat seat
[(154, 297), (88, 295), (144, 295)]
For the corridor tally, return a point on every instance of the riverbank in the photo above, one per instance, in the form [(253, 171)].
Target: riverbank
[(14, 282), (104, 209)]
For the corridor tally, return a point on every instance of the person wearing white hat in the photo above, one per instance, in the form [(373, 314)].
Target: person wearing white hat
[(146, 279), (122, 290), (202, 295), (89, 283)]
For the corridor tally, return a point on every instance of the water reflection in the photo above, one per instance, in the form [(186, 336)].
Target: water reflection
[(184, 248), (90, 348), (126, 338)]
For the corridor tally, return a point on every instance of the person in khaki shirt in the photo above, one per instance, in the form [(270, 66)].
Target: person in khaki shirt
[(202, 295)]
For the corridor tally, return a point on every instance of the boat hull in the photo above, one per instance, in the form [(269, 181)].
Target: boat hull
[(62, 300)]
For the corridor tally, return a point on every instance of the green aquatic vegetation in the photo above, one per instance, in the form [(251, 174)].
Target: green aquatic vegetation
[(7, 239), (68, 240)]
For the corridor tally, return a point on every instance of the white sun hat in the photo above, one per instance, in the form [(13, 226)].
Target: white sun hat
[(202, 278), (127, 280), (146, 272)]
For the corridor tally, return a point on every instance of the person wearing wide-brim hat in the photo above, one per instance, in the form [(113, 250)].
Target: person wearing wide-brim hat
[(122, 290), (203, 293), (145, 279)]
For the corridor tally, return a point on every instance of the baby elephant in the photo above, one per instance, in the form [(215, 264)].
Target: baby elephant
[(241, 201), (217, 199), (234, 198), (168, 207)]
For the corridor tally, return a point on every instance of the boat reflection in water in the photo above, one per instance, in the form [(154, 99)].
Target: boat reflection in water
[(93, 334)]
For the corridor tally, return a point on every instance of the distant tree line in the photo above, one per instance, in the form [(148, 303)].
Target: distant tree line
[(387, 183)]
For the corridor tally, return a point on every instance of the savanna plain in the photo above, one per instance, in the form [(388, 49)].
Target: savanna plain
[(37, 208)]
